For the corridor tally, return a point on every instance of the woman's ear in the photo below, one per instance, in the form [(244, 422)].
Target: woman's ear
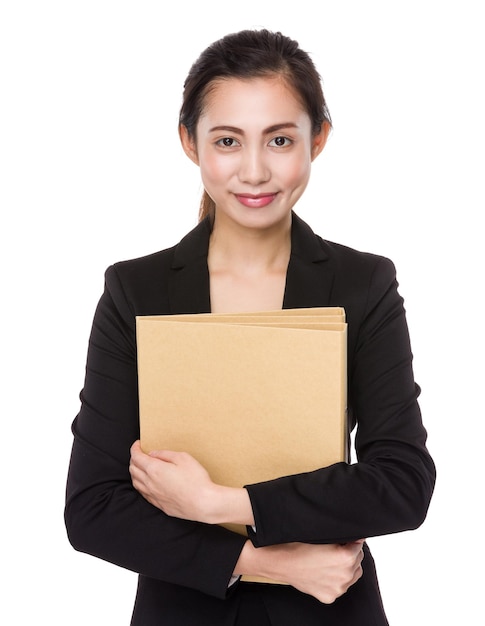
[(319, 140), (188, 144)]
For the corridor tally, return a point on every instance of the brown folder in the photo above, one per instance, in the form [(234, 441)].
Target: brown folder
[(251, 400)]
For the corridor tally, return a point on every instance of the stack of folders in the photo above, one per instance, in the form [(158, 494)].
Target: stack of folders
[(251, 396)]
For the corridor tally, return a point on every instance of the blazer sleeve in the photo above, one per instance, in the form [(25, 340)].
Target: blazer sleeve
[(105, 516), (389, 488)]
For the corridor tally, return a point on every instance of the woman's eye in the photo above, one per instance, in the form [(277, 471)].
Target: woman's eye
[(227, 142), (280, 142)]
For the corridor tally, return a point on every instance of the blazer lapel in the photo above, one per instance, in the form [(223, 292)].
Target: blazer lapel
[(309, 279), (308, 282), (188, 288)]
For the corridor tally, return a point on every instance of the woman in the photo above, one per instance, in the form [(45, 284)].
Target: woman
[(253, 119)]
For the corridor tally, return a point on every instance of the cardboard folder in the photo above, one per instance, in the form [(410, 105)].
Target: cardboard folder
[(251, 399)]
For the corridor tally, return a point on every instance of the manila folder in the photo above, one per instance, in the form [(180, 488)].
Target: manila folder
[(250, 402)]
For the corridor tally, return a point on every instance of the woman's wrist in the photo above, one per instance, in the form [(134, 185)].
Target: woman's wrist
[(266, 562), (228, 505)]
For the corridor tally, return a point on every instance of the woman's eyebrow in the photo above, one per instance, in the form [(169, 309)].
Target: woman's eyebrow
[(276, 127), (266, 131)]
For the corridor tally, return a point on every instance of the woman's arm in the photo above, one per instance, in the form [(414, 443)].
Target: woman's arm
[(389, 488), (105, 516)]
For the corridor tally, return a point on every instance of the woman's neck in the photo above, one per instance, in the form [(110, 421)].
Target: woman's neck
[(249, 250), (247, 268)]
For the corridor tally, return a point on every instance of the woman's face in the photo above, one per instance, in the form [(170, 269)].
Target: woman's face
[(254, 147)]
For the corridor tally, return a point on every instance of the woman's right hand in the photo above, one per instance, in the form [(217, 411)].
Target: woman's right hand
[(323, 571)]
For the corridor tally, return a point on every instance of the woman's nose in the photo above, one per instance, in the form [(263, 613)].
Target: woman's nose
[(254, 169)]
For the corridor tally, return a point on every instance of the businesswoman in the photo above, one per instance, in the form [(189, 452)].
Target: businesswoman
[(253, 119)]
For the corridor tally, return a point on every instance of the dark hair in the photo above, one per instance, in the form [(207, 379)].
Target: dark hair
[(249, 54)]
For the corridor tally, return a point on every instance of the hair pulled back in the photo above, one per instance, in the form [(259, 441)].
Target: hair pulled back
[(250, 54)]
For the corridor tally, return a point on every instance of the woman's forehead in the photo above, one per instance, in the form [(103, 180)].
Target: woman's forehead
[(266, 96)]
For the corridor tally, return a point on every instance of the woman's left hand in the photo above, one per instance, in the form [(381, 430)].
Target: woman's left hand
[(174, 482)]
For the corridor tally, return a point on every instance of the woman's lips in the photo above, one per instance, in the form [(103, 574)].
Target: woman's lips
[(255, 201)]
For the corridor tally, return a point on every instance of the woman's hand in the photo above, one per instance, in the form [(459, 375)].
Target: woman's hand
[(323, 571), (172, 481), (177, 484)]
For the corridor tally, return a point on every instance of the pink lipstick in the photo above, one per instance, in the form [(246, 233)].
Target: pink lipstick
[(256, 201)]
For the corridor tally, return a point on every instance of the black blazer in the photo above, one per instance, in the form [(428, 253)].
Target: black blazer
[(185, 567)]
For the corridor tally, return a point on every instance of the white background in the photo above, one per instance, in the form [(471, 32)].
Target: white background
[(92, 173)]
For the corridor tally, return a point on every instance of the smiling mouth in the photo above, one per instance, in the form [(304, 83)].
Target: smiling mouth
[(255, 201)]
